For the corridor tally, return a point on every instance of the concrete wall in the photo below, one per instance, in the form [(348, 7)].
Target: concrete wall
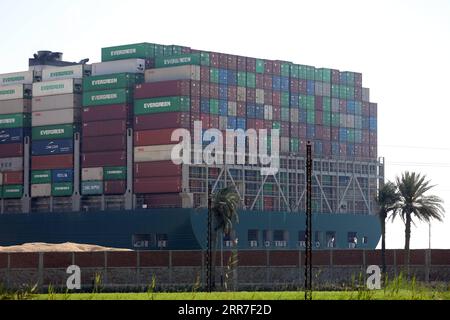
[(185, 270)]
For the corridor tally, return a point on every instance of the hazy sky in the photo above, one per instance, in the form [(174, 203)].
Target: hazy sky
[(402, 48)]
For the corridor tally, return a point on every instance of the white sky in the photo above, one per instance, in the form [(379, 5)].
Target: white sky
[(402, 47)]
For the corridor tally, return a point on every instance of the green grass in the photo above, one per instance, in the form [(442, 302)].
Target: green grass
[(337, 295)]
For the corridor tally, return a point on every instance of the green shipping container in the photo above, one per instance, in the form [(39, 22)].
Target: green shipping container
[(204, 59), (251, 80), (294, 145), (179, 60), (11, 121), (159, 50), (107, 97), (131, 51), (41, 177), (214, 106), (214, 75), (285, 99), (286, 70), (335, 119), (295, 71), (161, 105), (310, 73), (112, 82), (260, 66), (302, 72), (114, 173), (311, 117), (12, 192), (62, 189), (53, 132), (92, 188), (242, 79)]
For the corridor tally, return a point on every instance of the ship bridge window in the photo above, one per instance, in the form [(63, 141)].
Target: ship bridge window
[(331, 239), (365, 240), (302, 239), (352, 240), (267, 238), (281, 238), (163, 240), (253, 238), (143, 241)]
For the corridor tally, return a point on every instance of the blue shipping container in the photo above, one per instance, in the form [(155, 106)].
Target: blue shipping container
[(311, 87), (204, 108), (223, 108), (311, 131), (52, 147), (15, 135), (343, 134), (259, 112), (223, 76), (62, 176), (294, 100), (232, 123), (223, 92), (232, 78), (251, 111), (241, 124), (285, 84), (276, 83)]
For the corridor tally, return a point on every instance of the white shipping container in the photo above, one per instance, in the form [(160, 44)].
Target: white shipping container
[(62, 101), (18, 91), (49, 118), (92, 174), (232, 109), (11, 164), (153, 153), (15, 78), (15, 106), (119, 66), (259, 96), (41, 190), (174, 73), (51, 88), (366, 95), (78, 71)]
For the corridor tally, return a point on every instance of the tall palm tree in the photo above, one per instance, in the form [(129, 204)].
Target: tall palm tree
[(387, 199), (414, 203), (224, 210)]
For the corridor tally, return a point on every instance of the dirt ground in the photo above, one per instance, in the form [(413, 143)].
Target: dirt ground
[(63, 247)]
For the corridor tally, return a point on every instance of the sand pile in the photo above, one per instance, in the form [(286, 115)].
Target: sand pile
[(63, 247)]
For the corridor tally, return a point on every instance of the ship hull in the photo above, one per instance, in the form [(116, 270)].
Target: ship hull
[(183, 229)]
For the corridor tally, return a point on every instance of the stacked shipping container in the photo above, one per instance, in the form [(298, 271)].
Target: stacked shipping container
[(15, 107), (56, 115), (107, 102)]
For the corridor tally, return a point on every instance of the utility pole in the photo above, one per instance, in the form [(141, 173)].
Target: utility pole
[(209, 262), (308, 253)]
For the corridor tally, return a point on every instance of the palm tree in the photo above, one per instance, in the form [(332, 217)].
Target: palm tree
[(414, 203), (387, 199), (224, 210)]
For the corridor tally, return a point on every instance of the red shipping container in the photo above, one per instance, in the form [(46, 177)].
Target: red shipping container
[(158, 185), (319, 132), (163, 89), (52, 162), (104, 128), (108, 143), (302, 86), (259, 81), (214, 91), (232, 62), (104, 159), (162, 121), (204, 74), (251, 65), (366, 109), (268, 125), (251, 124), (277, 68), (319, 103), (335, 77), (156, 169), (241, 110), (276, 113), (204, 90), (276, 100), (326, 133), (342, 106), (335, 134), (260, 124), (232, 93), (302, 130), (167, 200), (268, 67), (343, 150), (13, 178), (268, 97), (251, 95), (12, 150), (214, 121), (223, 61), (205, 121), (327, 149), (153, 137), (195, 89), (295, 130), (195, 104), (319, 117), (268, 82), (241, 64), (105, 113), (214, 59), (373, 110), (115, 187), (294, 86)]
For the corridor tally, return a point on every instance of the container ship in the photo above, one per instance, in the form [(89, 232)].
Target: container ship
[(85, 151)]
